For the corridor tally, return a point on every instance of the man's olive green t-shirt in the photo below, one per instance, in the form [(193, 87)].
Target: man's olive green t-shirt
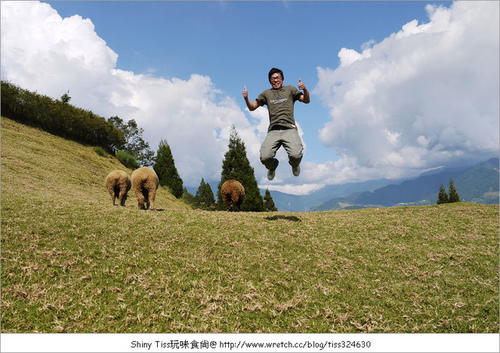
[(280, 105)]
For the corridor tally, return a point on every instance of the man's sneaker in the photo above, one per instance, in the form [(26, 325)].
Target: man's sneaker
[(272, 172), (296, 170)]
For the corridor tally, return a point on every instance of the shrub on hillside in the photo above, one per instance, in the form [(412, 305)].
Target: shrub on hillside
[(100, 151), (127, 160)]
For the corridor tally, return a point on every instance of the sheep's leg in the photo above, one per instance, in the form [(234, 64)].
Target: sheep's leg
[(151, 201), (140, 200), (145, 195), (122, 197), (112, 194)]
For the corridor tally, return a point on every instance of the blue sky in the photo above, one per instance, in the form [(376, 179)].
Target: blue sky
[(236, 43), (381, 76)]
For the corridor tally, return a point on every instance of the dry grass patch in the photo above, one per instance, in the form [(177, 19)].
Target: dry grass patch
[(177, 271), (71, 262)]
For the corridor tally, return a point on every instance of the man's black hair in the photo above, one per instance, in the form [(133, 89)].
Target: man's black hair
[(274, 71)]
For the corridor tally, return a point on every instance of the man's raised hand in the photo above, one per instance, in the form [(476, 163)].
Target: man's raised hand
[(304, 98), (301, 85)]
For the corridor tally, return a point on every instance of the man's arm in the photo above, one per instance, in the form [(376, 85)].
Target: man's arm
[(251, 105), (304, 98)]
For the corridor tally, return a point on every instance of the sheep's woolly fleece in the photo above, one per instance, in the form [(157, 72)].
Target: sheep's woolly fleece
[(233, 193), (145, 183), (118, 184)]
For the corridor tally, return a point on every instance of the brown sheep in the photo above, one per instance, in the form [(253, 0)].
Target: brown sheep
[(145, 183), (118, 184), (232, 193)]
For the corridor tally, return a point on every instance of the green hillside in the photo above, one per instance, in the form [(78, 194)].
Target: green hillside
[(71, 262), (60, 171)]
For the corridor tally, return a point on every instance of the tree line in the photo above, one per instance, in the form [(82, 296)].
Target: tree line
[(125, 141), (60, 118)]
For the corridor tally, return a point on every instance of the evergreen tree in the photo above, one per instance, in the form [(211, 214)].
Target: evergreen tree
[(269, 202), (237, 166), (453, 193), (443, 196), (165, 169), (204, 196)]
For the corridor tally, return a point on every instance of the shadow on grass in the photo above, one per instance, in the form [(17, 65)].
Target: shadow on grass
[(288, 218)]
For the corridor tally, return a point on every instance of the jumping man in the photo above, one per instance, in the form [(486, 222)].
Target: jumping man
[(282, 129)]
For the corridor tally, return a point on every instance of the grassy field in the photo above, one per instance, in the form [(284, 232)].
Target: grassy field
[(71, 262)]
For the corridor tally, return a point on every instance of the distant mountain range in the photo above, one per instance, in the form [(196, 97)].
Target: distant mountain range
[(304, 203), (479, 183)]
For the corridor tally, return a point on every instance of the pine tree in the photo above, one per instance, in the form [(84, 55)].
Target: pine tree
[(443, 196), (237, 166), (204, 196), (453, 193), (269, 202), (165, 169)]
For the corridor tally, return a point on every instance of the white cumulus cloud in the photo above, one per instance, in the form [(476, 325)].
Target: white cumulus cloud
[(43, 52), (423, 97)]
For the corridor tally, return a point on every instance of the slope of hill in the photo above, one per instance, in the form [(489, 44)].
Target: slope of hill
[(71, 262), (479, 183), (60, 170)]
